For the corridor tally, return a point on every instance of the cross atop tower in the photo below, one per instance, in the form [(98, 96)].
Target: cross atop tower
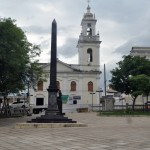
[(88, 7), (88, 2)]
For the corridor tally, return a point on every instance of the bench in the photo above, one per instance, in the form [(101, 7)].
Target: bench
[(82, 110)]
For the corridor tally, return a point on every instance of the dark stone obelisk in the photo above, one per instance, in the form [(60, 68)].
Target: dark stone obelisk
[(52, 89), (52, 114)]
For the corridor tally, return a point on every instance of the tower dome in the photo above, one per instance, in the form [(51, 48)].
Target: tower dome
[(88, 14)]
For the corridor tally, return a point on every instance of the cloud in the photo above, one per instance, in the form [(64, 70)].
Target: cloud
[(45, 44), (140, 40), (66, 51), (69, 49), (121, 11), (34, 29), (122, 24)]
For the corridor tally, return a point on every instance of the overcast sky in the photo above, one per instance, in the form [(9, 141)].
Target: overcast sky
[(121, 24)]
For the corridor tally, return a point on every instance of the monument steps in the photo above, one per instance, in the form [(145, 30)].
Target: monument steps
[(52, 118), (51, 121)]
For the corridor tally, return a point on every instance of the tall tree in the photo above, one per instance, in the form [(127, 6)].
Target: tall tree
[(121, 76), (17, 64), (142, 82)]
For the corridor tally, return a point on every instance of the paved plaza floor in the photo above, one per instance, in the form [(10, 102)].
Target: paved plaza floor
[(102, 133)]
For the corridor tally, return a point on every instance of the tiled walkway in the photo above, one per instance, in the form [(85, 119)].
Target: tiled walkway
[(102, 133)]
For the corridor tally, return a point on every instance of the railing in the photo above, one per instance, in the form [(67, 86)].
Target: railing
[(15, 111), (89, 38), (97, 107), (85, 108), (122, 107)]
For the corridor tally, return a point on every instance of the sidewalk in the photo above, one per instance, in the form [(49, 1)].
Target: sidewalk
[(102, 133)]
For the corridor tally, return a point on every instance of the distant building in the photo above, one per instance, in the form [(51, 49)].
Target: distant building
[(76, 81), (141, 51)]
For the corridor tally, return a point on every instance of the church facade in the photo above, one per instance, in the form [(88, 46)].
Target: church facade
[(77, 82)]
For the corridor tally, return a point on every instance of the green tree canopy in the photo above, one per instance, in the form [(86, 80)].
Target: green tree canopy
[(129, 67), (17, 64), (142, 83)]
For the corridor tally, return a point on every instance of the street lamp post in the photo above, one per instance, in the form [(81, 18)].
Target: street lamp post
[(92, 99), (28, 83), (99, 91), (28, 92), (105, 86)]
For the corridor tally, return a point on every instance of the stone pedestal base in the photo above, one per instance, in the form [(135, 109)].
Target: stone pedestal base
[(48, 125), (52, 118)]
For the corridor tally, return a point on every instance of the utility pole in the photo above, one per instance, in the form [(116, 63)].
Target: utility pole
[(92, 99), (105, 84)]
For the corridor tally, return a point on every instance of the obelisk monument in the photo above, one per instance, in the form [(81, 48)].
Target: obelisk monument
[(52, 114), (52, 89)]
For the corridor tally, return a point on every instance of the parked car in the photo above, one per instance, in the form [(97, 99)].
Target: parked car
[(19, 104), (147, 105)]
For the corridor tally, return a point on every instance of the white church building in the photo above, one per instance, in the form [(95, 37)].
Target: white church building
[(77, 82)]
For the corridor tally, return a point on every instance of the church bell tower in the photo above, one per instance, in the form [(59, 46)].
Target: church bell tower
[(89, 43)]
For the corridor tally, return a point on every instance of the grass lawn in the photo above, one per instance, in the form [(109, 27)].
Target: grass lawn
[(124, 113)]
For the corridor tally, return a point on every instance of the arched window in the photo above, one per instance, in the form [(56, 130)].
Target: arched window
[(40, 86), (89, 31), (89, 51), (73, 86), (58, 85), (90, 86)]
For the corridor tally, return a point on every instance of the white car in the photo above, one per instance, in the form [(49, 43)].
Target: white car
[(19, 104)]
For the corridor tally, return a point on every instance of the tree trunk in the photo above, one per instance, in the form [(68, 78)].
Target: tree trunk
[(147, 97), (134, 99), (5, 109), (147, 103)]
